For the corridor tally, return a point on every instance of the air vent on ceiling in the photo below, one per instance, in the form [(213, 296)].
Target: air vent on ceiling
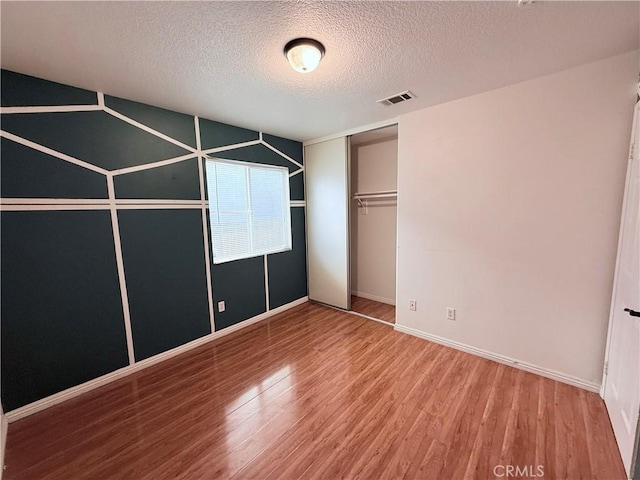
[(397, 98)]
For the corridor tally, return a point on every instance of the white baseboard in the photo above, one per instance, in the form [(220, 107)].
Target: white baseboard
[(545, 372), (72, 392), (375, 298)]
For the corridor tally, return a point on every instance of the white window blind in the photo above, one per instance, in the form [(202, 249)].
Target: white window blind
[(248, 209)]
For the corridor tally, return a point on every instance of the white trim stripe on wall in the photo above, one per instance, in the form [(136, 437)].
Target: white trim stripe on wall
[(115, 226), (50, 109), (147, 129), (147, 166), (283, 155), (114, 204), (50, 151), (230, 147), (205, 226), (14, 204), (266, 282)]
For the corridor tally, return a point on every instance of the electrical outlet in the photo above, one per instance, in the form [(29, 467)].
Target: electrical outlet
[(221, 306), (451, 313), (413, 305)]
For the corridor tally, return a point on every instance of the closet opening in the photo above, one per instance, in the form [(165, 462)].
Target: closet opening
[(373, 222)]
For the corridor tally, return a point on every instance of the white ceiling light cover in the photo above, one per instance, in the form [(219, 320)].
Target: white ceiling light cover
[(304, 54)]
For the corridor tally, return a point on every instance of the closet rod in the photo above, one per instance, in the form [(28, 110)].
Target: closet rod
[(381, 194)]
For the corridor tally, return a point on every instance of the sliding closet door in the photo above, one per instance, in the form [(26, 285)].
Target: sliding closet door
[(327, 196)]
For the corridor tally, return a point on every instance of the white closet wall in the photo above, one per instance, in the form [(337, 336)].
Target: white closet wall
[(374, 167)]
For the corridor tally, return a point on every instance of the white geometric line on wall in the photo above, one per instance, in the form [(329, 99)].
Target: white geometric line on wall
[(248, 144), (205, 226), (49, 204), (53, 153), (99, 201), (54, 201), (266, 282), (283, 155), (159, 206), (48, 207), (147, 129), (113, 205), (149, 201), (119, 171), (120, 265), (149, 166), (102, 107), (196, 126), (229, 147), (50, 109), (53, 207)]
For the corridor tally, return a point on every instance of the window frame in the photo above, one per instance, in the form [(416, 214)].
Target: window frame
[(286, 198)]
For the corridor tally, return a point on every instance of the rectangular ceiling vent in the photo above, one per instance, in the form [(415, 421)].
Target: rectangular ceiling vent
[(397, 98)]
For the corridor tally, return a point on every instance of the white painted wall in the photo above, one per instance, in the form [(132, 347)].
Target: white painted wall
[(374, 167), (509, 210)]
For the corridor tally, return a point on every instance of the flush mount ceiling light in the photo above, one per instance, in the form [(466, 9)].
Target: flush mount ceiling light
[(304, 54)]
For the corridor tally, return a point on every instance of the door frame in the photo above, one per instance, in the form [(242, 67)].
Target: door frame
[(634, 145)]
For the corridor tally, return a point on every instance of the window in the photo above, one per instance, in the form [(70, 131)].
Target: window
[(248, 209)]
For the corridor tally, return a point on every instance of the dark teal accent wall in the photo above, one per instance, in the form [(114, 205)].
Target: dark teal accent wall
[(62, 320), (96, 137), (63, 314), (177, 181), (241, 285), (26, 91), (163, 257), (28, 173), (287, 265), (176, 125)]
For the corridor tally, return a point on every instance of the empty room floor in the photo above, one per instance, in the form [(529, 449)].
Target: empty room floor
[(319, 393), (371, 308)]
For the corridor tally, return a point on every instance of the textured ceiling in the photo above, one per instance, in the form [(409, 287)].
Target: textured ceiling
[(224, 61)]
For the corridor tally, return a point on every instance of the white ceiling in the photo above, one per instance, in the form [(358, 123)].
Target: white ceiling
[(224, 60)]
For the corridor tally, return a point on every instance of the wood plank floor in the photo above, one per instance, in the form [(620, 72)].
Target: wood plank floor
[(371, 308), (318, 393)]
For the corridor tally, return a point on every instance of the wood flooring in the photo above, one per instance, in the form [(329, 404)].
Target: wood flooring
[(317, 393), (371, 308)]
